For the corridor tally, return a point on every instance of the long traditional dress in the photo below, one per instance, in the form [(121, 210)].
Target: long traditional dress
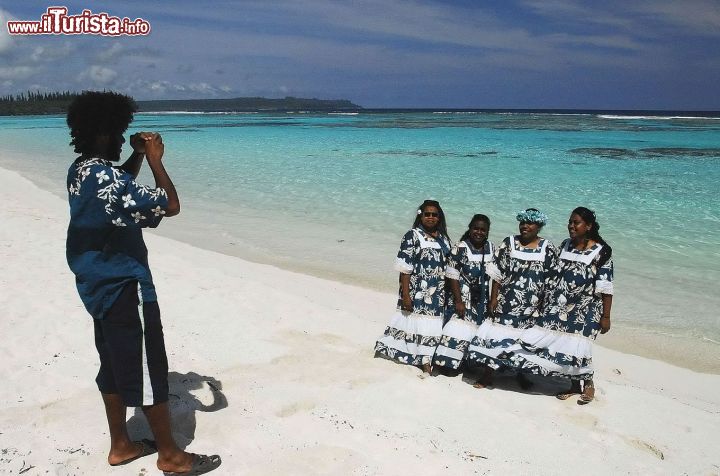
[(524, 275), (411, 337), (469, 266), (561, 342)]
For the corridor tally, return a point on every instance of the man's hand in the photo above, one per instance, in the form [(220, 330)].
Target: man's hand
[(137, 141), (154, 147)]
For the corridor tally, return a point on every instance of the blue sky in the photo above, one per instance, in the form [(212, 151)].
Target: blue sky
[(639, 54)]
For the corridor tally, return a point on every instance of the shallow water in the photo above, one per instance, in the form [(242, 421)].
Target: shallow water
[(331, 195)]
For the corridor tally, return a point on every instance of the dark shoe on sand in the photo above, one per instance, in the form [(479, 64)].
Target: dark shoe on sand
[(565, 395), (201, 464), (574, 390), (587, 396), (147, 447)]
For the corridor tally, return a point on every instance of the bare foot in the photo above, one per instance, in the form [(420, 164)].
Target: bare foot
[(130, 452), (485, 380), (199, 464), (427, 371), (180, 462)]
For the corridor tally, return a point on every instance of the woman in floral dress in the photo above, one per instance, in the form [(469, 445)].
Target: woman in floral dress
[(578, 309), (470, 285), (415, 328), (525, 265)]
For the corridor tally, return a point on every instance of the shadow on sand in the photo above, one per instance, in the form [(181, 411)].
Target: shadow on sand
[(189, 393)]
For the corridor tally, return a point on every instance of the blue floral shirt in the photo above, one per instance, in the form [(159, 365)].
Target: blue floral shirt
[(105, 247), (575, 302), (473, 269), (424, 258), (525, 276)]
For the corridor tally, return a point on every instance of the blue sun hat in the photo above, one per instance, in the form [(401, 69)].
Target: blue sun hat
[(532, 215)]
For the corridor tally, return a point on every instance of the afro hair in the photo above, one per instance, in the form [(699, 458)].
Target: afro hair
[(95, 113)]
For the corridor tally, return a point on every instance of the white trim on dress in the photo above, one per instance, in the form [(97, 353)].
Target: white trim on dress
[(586, 259), (533, 255)]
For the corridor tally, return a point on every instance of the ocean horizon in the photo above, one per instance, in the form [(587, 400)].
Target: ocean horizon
[(330, 194)]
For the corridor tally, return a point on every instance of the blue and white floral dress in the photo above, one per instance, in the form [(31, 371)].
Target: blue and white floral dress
[(469, 266), (524, 275), (561, 342), (411, 337)]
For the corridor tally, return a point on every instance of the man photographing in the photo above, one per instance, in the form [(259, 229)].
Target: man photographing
[(107, 254)]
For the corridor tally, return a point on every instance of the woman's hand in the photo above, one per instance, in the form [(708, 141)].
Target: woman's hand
[(604, 324), (407, 304), (460, 308), (605, 319), (492, 306)]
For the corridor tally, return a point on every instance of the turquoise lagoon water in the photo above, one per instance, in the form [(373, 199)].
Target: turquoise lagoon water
[(332, 194)]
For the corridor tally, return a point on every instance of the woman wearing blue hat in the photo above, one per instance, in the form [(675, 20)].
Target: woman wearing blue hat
[(578, 309), (524, 268)]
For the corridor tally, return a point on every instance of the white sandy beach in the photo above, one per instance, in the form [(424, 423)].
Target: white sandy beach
[(293, 385)]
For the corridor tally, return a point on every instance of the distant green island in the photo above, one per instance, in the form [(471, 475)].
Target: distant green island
[(36, 103), (254, 104)]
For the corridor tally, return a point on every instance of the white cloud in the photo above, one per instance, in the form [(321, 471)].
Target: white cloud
[(700, 17), (111, 53), (203, 88), (16, 72), (410, 38), (143, 88), (5, 38), (640, 18), (584, 13), (98, 74), (50, 53)]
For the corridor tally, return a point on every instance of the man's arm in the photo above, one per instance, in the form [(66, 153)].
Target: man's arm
[(137, 142), (132, 165), (154, 150)]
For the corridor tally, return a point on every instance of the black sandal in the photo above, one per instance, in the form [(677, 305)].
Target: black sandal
[(201, 464), (588, 394)]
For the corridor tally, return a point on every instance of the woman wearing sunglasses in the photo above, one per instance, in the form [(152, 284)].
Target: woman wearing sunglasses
[(416, 327), (526, 265)]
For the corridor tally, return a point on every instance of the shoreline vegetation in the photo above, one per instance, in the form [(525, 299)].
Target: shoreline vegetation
[(49, 103), (37, 103)]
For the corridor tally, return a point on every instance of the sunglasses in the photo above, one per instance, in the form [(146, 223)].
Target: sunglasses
[(431, 214)]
